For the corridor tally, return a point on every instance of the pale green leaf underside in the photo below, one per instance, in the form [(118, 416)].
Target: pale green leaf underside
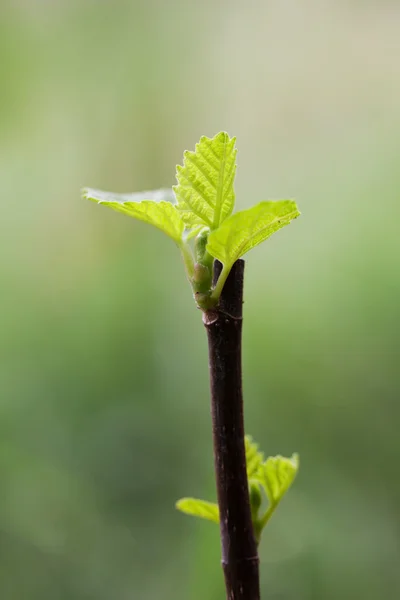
[(254, 458), (277, 475), (246, 229), (157, 210), (165, 194), (199, 508), (205, 193)]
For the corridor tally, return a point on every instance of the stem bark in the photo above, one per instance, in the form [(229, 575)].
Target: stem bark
[(224, 330)]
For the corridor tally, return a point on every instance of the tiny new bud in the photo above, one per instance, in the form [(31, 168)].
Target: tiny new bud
[(201, 244), (255, 499), (204, 301), (201, 274), (201, 279)]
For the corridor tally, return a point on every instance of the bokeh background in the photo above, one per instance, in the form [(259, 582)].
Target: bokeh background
[(104, 402)]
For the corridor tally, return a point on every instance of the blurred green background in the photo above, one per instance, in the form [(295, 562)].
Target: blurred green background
[(104, 401)]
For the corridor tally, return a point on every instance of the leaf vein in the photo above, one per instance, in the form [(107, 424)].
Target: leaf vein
[(191, 158), (196, 189)]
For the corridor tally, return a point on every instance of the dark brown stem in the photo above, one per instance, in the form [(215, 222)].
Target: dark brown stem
[(224, 330)]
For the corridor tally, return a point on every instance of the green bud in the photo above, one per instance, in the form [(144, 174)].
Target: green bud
[(200, 245), (255, 499), (201, 274), (201, 280), (204, 301)]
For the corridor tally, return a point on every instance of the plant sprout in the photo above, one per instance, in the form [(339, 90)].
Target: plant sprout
[(197, 214)]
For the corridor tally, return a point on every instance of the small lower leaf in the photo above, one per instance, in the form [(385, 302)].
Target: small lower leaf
[(199, 508), (254, 458), (277, 475)]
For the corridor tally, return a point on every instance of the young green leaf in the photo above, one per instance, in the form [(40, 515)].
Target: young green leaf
[(248, 228), (157, 211), (199, 508), (205, 192), (254, 458), (277, 475)]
